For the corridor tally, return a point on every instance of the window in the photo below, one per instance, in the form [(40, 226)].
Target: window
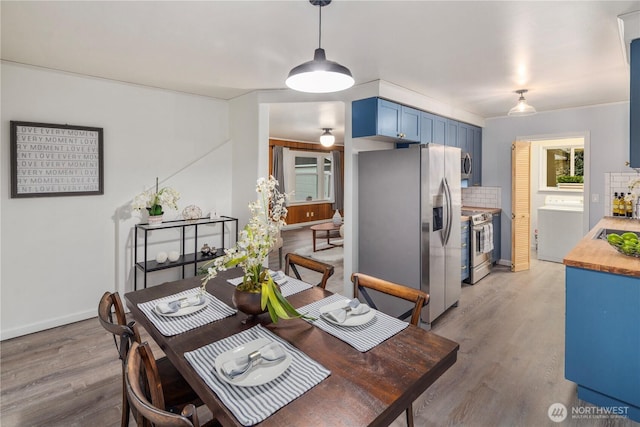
[(562, 166), (309, 175)]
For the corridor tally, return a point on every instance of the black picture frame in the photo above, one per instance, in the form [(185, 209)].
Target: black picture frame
[(51, 160)]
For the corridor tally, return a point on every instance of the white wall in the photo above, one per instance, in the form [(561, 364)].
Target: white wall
[(59, 254), (608, 130)]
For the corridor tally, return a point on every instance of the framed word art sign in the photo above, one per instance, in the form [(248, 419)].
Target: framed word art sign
[(55, 160)]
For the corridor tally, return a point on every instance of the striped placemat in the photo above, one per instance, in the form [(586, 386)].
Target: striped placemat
[(250, 405), (168, 326), (290, 287), (362, 338)]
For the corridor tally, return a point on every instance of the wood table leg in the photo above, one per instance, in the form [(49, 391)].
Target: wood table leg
[(314, 240)]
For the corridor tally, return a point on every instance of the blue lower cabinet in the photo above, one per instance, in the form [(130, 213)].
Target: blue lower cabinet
[(464, 258), (497, 238), (602, 338)]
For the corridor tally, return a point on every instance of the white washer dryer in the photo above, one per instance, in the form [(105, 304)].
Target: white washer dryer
[(559, 226)]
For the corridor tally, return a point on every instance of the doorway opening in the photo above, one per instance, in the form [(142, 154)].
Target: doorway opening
[(558, 178)]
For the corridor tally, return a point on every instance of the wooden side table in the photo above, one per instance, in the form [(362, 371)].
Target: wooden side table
[(327, 227)]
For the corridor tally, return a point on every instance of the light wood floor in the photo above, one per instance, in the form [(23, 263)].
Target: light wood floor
[(510, 327)]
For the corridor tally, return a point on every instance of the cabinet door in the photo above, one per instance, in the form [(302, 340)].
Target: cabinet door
[(496, 253), (463, 137), (410, 124), (477, 156), (389, 117), (426, 128), (634, 107), (439, 130), (452, 133)]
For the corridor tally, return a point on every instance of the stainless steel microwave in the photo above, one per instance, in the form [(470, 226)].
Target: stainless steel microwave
[(466, 165)]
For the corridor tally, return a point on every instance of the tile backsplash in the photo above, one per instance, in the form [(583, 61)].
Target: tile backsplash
[(482, 197), (616, 182)]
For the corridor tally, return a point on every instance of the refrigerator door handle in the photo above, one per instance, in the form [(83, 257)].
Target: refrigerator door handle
[(447, 194)]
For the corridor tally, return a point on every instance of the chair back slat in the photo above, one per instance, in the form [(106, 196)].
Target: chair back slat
[(293, 261), (419, 298)]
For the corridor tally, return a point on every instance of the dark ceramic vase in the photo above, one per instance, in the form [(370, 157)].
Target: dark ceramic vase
[(248, 302)]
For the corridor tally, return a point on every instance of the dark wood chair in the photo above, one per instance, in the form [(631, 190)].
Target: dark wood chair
[(112, 317), (145, 392), (362, 282), (293, 261)]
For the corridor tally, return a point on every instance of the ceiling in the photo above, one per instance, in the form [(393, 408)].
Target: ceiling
[(471, 55)]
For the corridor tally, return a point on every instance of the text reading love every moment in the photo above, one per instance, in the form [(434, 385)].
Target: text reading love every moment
[(53, 160)]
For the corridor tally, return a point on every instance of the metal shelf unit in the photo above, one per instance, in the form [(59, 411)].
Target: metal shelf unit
[(185, 259)]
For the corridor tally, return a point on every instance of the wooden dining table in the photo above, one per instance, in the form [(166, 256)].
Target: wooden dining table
[(368, 388)]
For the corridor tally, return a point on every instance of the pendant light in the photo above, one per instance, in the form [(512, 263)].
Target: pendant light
[(319, 75), (327, 139), (522, 108)]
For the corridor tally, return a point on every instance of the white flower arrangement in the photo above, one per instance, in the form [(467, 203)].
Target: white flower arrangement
[(634, 188), (255, 241), (153, 201)]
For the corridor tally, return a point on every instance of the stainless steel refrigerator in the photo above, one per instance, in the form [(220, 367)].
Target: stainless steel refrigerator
[(409, 203)]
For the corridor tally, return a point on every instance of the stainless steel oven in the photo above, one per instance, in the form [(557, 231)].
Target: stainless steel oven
[(479, 250)]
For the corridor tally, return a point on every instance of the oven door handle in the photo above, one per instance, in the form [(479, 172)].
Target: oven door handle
[(447, 195)]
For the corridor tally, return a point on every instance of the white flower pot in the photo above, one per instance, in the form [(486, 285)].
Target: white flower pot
[(155, 219)]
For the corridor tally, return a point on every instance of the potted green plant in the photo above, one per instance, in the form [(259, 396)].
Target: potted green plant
[(258, 292), (153, 199), (570, 182), (570, 179)]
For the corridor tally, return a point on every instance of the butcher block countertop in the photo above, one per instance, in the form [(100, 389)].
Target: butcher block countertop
[(477, 209), (598, 255)]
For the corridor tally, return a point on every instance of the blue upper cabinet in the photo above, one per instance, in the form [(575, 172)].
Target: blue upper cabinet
[(432, 129), (476, 157), (465, 137), (389, 118), (410, 124), (452, 133), (634, 109), (379, 118), (426, 128)]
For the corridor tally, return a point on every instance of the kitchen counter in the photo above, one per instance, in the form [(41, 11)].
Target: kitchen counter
[(598, 255), (478, 209)]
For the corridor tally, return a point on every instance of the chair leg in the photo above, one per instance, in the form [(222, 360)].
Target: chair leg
[(125, 405), (410, 415)]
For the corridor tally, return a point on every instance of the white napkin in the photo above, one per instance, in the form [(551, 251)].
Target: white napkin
[(168, 307), (273, 350), (278, 277), (340, 315)]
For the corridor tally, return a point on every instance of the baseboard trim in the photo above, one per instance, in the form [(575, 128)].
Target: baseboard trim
[(6, 334)]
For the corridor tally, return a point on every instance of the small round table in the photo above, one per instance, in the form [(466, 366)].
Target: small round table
[(328, 227)]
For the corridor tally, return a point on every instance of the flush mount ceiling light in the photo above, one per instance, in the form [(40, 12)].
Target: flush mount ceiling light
[(327, 139), (522, 108), (319, 75)]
